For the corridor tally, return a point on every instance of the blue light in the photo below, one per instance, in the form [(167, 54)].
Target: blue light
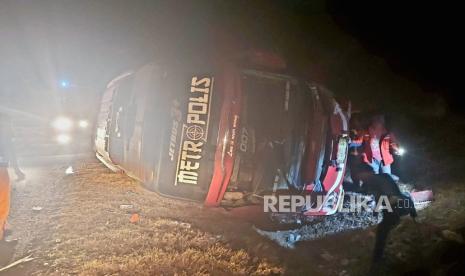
[(64, 83)]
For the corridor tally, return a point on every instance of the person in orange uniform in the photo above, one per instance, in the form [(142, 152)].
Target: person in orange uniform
[(7, 158), (377, 146)]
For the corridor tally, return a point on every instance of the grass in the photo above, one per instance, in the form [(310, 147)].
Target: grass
[(82, 230), (85, 232)]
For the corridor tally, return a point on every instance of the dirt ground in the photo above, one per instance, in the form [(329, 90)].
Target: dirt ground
[(76, 224)]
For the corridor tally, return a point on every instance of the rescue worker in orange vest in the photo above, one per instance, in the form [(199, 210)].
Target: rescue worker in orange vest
[(378, 145), (7, 157)]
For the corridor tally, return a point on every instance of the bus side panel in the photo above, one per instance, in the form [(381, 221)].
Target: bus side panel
[(134, 163), (152, 125), (118, 126), (229, 125), (185, 165)]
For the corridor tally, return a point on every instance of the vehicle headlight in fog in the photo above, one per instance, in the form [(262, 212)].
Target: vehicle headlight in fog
[(83, 123), (62, 123), (63, 139)]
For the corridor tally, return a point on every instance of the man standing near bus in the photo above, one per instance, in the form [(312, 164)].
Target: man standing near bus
[(377, 146), (7, 158)]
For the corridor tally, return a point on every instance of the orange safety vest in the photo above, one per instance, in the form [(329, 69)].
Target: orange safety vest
[(387, 143)]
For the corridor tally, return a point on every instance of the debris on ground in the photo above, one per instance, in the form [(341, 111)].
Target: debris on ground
[(134, 218), (69, 170), (126, 206), (15, 263), (233, 196)]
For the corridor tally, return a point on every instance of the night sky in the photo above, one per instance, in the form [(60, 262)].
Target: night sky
[(356, 48), (419, 40)]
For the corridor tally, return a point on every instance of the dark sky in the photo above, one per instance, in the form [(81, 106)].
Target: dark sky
[(419, 39), (88, 42)]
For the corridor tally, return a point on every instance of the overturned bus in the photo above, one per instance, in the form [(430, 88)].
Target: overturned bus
[(226, 134)]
